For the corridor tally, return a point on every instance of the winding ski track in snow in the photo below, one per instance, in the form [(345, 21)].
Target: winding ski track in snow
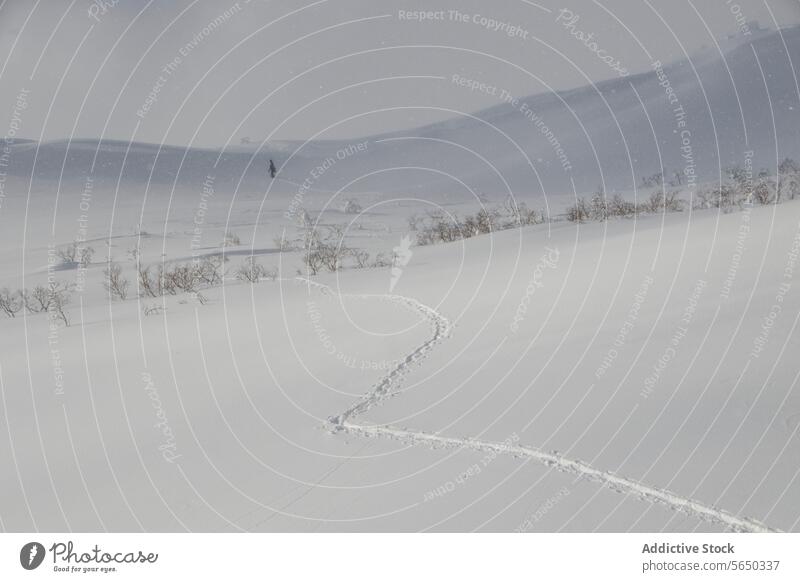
[(441, 328)]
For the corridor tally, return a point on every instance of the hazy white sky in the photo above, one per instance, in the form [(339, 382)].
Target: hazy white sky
[(205, 72)]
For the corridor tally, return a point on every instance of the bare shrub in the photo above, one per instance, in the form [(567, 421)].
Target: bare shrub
[(381, 261), (620, 207), (654, 180), (60, 295), (209, 270), (742, 179), (661, 201), (182, 277), (38, 300), (11, 302), (68, 253), (333, 255), (149, 285), (85, 255), (426, 236), (251, 271), (439, 227), (351, 206), (158, 280), (166, 281), (231, 239), (311, 257), (518, 214), (52, 299), (413, 222), (328, 252), (487, 220), (579, 212), (598, 209), (152, 309), (283, 244), (765, 189), (302, 218), (722, 196), (114, 282), (788, 182), (673, 202), (361, 258)]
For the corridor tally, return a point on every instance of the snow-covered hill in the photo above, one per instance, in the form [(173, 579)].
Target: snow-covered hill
[(742, 99)]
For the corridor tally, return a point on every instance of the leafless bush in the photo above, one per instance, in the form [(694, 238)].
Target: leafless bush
[(487, 220), (59, 298), (673, 202), (251, 271), (302, 218), (68, 253), (85, 256), (765, 189), (579, 212), (654, 180), (333, 255), (788, 183), (181, 277), (351, 206), (158, 280), (381, 261), (328, 252), (721, 196), (439, 227), (426, 236), (518, 214), (150, 285), (152, 309), (311, 257), (361, 258), (11, 302), (38, 300), (75, 253), (620, 207), (231, 239), (52, 299), (661, 201), (114, 282), (209, 270), (598, 209), (283, 244)]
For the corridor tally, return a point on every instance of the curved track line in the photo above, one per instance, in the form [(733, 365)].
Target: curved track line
[(644, 492), (441, 328)]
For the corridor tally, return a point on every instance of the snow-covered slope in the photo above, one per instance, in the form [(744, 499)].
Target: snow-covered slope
[(480, 370), (634, 374)]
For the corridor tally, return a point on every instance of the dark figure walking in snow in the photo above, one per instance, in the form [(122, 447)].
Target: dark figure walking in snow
[(272, 170)]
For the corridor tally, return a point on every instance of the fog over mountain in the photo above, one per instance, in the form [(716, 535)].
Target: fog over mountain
[(698, 115)]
